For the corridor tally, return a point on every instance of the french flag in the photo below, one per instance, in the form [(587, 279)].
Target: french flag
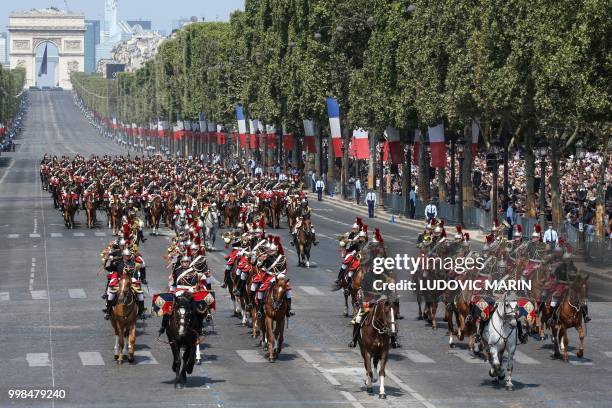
[(360, 144), (203, 127), (333, 111), (288, 141), (438, 148), (271, 134), (212, 130), (309, 136), (242, 130), (161, 128), (220, 135), (179, 130), (253, 124), (415, 147), (393, 145), (114, 126), (475, 134), (187, 128)]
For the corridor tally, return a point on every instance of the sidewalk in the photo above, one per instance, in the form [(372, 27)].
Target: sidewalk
[(604, 273), (385, 214)]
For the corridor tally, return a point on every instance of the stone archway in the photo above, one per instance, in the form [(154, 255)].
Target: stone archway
[(32, 29)]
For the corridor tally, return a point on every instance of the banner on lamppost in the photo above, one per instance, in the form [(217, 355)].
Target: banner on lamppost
[(271, 134), (393, 146), (178, 130), (309, 136), (333, 111), (212, 131), (220, 135), (288, 141), (360, 146), (162, 125), (437, 146), (242, 130)]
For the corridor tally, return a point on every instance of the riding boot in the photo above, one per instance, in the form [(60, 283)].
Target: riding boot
[(340, 276), (141, 309), (293, 239), (521, 335), (165, 320), (226, 278), (143, 275), (314, 239), (260, 308), (108, 309), (349, 281), (289, 313), (552, 317), (356, 330), (585, 313), (394, 342), (141, 236)]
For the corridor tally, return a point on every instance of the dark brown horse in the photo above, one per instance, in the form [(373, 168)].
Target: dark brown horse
[(374, 342), (90, 210), (276, 207), (123, 319), (275, 314), (156, 214), (116, 212), (303, 243), (70, 208), (571, 314), (230, 213), (182, 335)]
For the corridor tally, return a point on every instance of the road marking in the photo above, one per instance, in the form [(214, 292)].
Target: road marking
[(352, 399), (38, 359), (409, 389), (91, 358), (417, 357), (5, 297), (607, 353), (330, 378), (34, 235), (13, 236), (56, 235), (100, 234), (311, 290), (78, 293), (144, 357), (466, 356), (39, 294), (251, 356), (79, 234), (523, 358)]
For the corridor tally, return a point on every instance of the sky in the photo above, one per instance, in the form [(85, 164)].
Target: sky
[(160, 12)]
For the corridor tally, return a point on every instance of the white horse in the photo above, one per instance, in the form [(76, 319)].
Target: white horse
[(500, 337), (211, 224)]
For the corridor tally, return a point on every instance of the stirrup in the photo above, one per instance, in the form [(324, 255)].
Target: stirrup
[(352, 344)]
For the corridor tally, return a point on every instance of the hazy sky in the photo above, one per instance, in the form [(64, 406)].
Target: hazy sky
[(161, 12)]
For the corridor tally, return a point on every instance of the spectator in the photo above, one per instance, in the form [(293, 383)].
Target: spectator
[(431, 211), (370, 199), (413, 197), (357, 190), (320, 186)]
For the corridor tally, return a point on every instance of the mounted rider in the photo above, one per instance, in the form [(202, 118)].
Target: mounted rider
[(304, 214), (351, 263), (128, 264)]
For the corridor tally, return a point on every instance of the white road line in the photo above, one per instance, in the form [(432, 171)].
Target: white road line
[(39, 294), (417, 357), (38, 359), (352, 399), (306, 356), (409, 389), (78, 293), (56, 235), (144, 357), (100, 234), (251, 356), (311, 290), (5, 297), (523, 358), (466, 356), (330, 378), (91, 358), (13, 236), (79, 234), (34, 235), (607, 353)]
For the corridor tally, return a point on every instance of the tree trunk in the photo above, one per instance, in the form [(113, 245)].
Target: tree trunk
[(424, 192), (372, 164), (600, 206), (442, 193), (468, 189), (530, 206), (555, 185), (317, 154)]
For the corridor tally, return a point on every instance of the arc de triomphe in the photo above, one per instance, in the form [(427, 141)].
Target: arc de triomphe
[(30, 29)]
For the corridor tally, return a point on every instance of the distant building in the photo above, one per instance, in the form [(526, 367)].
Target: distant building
[(92, 40), (137, 50), (144, 24), (180, 23), (3, 48)]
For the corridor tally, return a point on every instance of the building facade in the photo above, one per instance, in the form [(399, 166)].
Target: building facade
[(92, 40)]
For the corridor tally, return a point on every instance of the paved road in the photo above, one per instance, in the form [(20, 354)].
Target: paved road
[(54, 335)]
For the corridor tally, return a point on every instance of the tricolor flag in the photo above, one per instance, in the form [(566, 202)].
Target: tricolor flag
[(271, 134), (203, 127), (361, 147), (309, 136), (220, 135), (475, 133), (253, 135), (162, 125), (415, 147), (288, 142), (187, 128), (135, 129), (438, 148), (179, 130), (212, 131), (333, 111), (262, 133), (114, 125), (393, 145), (242, 130)]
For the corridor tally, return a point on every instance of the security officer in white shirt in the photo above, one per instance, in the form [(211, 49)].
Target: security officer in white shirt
[(320, 186), (357, 190), (431, 211), (550, 237), (370, 199)]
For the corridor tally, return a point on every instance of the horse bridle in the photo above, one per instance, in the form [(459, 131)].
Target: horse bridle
[(506, 317), (276, 304), (385, 325)]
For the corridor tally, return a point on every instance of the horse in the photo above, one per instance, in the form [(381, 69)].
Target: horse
[(116, 212), (183, 335), (230, 213), (211, 223), (570, 314), (180, 221), (169, 212), (275, 314), (70, 207), (275, 210), (90, 210), (303, 243), (374, 341), (123, 319), (500, 337), (459, 309), (156, 214)]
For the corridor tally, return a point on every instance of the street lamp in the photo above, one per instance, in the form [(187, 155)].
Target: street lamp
[(541, 153), (408, 175), (581, 195), (460, 155), (492, 166)]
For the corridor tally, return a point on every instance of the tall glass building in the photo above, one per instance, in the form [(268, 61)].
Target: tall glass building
[(92, 39)]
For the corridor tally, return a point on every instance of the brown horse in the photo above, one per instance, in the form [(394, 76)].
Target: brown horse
[(571, 314), (90, 211), (374, 342), (275, 310), (70, 208), (459, 309), (156, 214), (303, 243), (169, 212), (276, 206), (230, 213), (123, 319), (116, 212), (291, 213)]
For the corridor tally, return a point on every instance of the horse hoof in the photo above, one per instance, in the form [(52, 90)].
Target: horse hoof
[(452, 345), (580, 353), (509, 388), (271, 360), (492, 373), (369, 390), (198, 361), (116, 357), (382, 396)]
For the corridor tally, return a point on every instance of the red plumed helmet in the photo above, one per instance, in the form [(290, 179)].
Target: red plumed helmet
[(365, 228), (277, 241), (489, 238), (359, 222), (466, 237), (377, 236), (459, 228)]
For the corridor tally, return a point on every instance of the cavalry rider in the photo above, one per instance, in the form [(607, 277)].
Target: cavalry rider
[(128, 263), (246, 264), (274, 266), (351, 262), (305, 212), (555, 286), (364, 309), (232, 258)]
